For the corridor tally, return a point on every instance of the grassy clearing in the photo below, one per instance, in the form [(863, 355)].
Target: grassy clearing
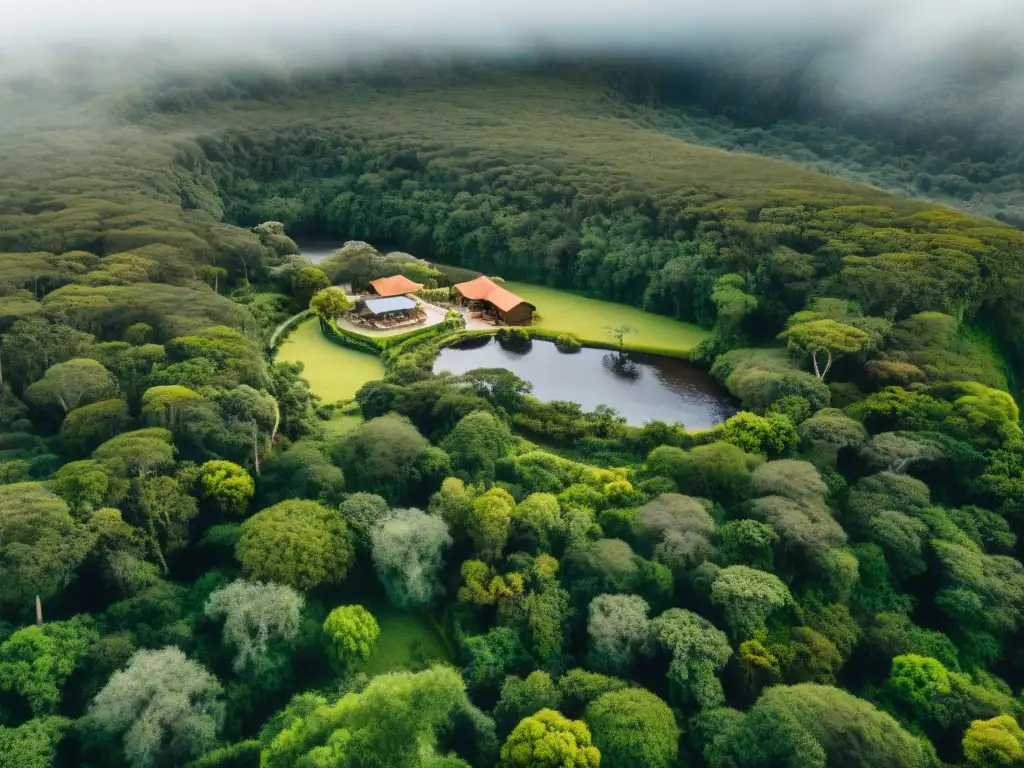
[(333, 372), (589, 320), (407, 641)]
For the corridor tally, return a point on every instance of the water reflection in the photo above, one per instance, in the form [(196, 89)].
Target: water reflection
[(640, 387)]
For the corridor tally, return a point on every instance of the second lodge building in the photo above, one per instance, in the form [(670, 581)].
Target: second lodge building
[(496, 302)]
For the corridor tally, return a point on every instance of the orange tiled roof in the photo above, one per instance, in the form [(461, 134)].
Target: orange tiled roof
[(485, 289), (395, 286)]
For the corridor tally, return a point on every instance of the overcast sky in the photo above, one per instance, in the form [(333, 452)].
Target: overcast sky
[(880, 45), (915, 25)]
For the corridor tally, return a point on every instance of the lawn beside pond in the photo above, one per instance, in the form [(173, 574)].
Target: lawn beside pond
[(333, 372), (588, 319)]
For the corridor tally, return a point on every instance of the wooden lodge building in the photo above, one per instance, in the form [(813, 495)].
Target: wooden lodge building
[(396, 285), (494, 301)]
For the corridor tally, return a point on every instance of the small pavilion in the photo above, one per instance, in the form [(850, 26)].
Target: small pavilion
[(396, 285), (495, 302), (388, 313)]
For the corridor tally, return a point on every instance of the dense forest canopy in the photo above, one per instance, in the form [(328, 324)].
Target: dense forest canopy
[(199, 567)]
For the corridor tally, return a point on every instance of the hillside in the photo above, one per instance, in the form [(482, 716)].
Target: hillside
[(830, 576)]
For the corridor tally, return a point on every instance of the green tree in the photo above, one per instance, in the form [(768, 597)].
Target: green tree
[(773, 434), (307, 282), (816, 725), (350, 632), (408, 554), (381, 455), (634, 729), (748, 597), (297, 543), (476, 443), (522, 697), (89, 426), (41, 546), (717, 471), (141, 453), (32, 744), (994, 743), (620, 333), (490, 522), (827, 339), (163, 406), (228, 484), (33, 344), (255, 615), (549, 740), (792, 479), (698, 651), (163, 510), (394, 722), (452, 503), (166, 707), (36, 662), (85, 485), (302, 471), (330, 303), (746, 542), (77, 382)]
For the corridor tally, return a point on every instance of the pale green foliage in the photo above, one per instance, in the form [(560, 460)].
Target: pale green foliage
[(298, 543), (77, 382), (350, 632), (549, 740), (829, 430), (35, 662), (699, 650), (538, 520), (393, 723), (796, 480), (167, 707), (255, 615), (408, 554), (228, 484), (748, 597), (617, 626), (810, 528)]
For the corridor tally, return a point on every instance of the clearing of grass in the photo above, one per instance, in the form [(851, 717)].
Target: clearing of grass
[(408, 641), (590, 319), (333, 372)]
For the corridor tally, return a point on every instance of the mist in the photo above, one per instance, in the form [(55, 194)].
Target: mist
[(871, 55)]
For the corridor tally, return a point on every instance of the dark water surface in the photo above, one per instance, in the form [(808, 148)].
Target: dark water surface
[(640, 387)]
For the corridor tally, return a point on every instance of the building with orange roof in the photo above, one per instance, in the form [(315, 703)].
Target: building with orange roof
[(502, 304), (396, 285)]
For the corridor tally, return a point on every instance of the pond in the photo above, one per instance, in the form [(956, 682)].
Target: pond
[(640, 387)]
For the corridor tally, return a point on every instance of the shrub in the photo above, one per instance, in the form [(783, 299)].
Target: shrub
[(568, 343)]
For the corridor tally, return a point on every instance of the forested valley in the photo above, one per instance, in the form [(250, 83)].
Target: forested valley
[(199, 568)]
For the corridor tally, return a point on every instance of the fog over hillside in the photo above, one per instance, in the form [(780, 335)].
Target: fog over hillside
[(877, 48)]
